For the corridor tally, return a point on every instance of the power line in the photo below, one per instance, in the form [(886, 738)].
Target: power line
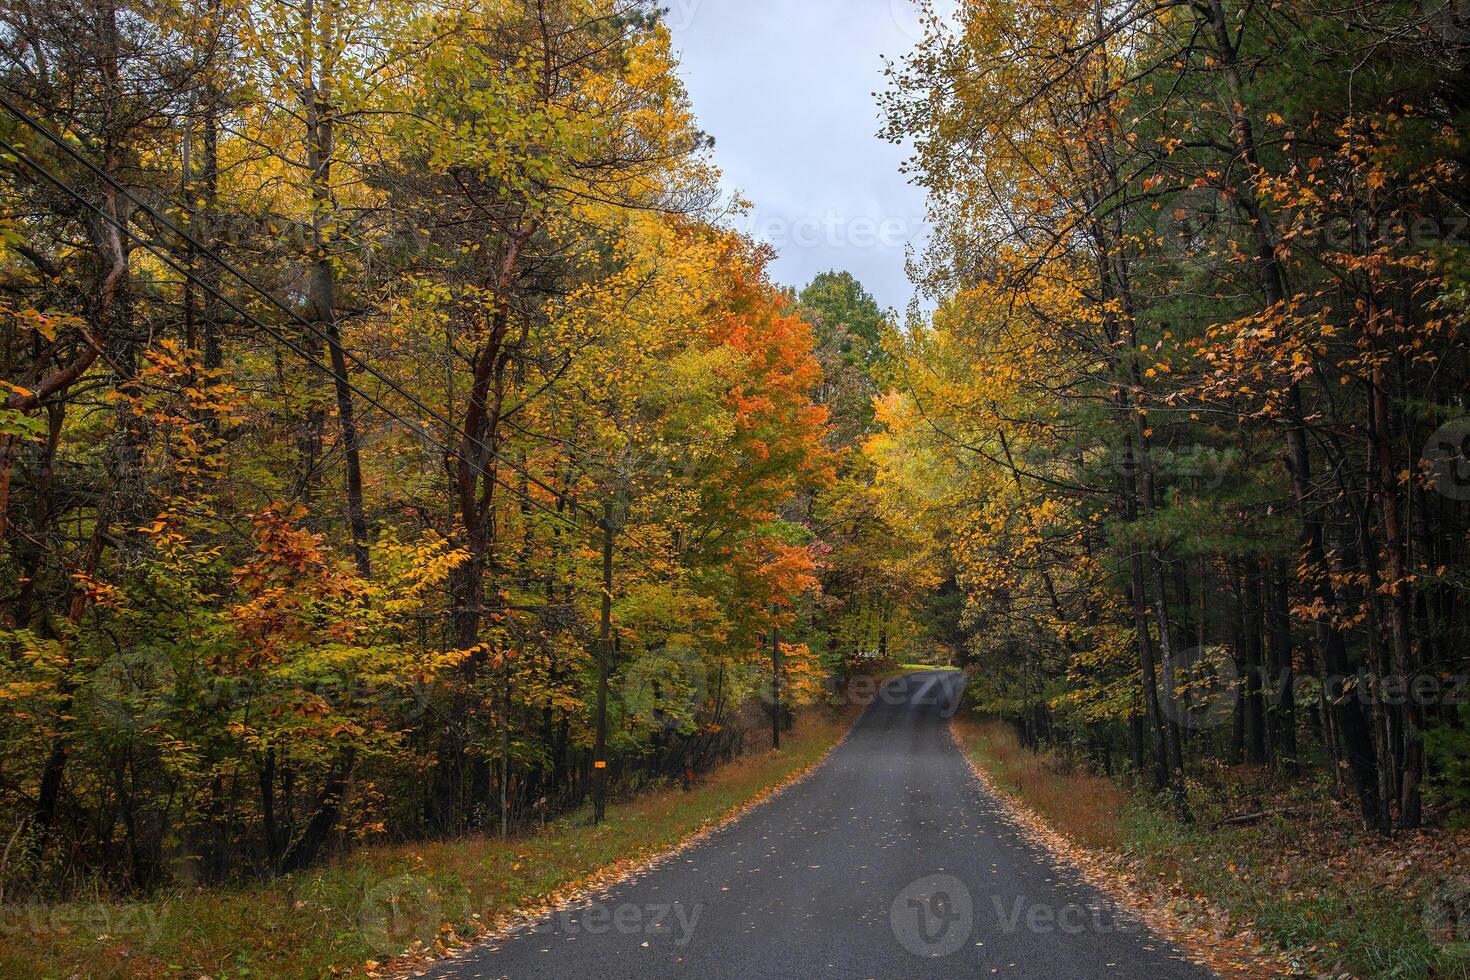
[(202, 250), (267, 295), (159, 252)]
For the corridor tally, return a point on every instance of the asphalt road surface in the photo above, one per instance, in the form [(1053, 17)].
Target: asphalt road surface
[(889, 861)]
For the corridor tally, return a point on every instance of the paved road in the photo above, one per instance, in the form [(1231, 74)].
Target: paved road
[(888, 862)]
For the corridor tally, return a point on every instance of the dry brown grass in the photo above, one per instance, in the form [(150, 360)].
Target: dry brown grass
[(1082, 806)]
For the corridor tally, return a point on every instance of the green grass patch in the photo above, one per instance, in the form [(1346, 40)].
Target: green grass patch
[(1332, 914), (375, 903)]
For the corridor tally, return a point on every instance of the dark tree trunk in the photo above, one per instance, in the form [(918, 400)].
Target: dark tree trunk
[(1253, 664), (1283, 670), (303, 851)]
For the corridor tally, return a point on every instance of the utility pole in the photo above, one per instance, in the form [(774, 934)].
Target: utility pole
[(604, 665), (775, 681)]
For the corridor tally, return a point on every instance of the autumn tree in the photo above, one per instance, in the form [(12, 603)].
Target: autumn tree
[(1163, 280)]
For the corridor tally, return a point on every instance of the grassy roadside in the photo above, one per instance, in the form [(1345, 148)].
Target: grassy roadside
[(379, 901), (1340, 901), (891, 671)]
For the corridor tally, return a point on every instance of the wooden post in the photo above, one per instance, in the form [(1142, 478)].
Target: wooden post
[(775, 681), (604, 665)]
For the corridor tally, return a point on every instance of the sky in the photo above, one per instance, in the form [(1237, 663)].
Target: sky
[(786, 88)]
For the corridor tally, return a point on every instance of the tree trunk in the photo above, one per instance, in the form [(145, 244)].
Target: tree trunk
[(1395, 545), (1283, 669), (303, 851), (1253, 664), (321, 156)]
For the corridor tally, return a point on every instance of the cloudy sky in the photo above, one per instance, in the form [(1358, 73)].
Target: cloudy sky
[(786, 88)]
